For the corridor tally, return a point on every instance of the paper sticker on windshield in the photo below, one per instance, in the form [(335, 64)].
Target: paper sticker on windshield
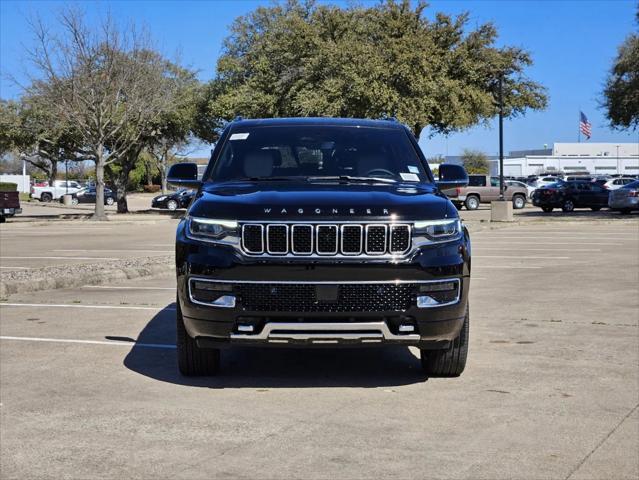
[(239, 136), (409, 177), (413, 169)]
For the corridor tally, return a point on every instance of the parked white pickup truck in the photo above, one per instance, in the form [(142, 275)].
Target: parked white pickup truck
[(55, 191)]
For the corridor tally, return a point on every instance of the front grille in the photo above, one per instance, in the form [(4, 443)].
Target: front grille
[(376, 239), (273, 297), (325, 239), (277, 239)]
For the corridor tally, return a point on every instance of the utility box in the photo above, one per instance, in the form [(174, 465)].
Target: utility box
[(501, 211)]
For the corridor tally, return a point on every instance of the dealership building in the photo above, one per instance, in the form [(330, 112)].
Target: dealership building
[(572, 158)]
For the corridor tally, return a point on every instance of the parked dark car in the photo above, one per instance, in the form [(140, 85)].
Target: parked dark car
[(571, 195), (87, 195), (180, 199), (310, 232)]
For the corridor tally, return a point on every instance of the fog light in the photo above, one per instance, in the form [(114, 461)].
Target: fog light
[(245, 328), (406, 328), (424, 301)]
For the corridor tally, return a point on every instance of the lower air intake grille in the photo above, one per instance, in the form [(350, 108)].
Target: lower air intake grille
[(265, 297)]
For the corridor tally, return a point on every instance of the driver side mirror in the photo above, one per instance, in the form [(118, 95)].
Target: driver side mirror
[(452, 176), (184, 175)]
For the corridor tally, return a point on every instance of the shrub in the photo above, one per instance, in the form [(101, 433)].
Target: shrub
[(152, 188), (8, 187)]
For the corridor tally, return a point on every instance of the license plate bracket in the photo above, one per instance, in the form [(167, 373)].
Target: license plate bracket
[(327, 293)]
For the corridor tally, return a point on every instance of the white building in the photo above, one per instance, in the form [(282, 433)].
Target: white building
[(591, 158)]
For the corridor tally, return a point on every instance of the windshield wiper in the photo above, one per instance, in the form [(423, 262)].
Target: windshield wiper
[(349, 178), (271, 179)]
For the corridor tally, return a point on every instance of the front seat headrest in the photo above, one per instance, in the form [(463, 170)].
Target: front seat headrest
[(258, 164)]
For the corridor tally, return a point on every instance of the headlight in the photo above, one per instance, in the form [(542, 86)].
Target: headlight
[(159, 199), (218, 231), (430, 231)]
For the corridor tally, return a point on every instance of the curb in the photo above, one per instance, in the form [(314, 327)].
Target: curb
[(56, 277)]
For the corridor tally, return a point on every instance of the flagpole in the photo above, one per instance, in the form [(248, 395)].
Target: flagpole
[(579, 127)]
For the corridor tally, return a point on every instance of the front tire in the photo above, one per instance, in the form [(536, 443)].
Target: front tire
[(568, 206), (46, 197), (193, 361), (109, 201), (450, 362), (472, 203), (172, 205), (519, 202)]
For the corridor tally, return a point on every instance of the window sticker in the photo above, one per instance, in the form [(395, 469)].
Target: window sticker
[(409, 177), (239, 136), (413, 169)]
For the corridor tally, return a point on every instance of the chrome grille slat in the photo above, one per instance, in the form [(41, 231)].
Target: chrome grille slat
[(326, 239)]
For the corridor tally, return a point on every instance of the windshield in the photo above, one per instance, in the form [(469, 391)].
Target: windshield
[(320, 153)]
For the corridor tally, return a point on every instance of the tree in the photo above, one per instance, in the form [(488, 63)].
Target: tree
[(31, 127), (621, 93), (108, 83), (303, 59), (475, 162), (179, 125)]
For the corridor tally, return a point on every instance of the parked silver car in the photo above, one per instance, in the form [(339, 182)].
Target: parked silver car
[(626, 198)]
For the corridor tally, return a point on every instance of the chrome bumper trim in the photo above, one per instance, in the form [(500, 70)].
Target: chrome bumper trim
[(325, 333)]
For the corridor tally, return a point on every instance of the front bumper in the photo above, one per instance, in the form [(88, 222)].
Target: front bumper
[(240, 322)]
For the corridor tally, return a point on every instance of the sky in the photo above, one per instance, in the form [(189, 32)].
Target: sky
[(572, 43)]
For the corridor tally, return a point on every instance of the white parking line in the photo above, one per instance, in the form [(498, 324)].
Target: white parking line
[(116, 250), (90, 342), (534, 257), (16, 268), (527, 237), (550, 250), (105, 287), (58, 258), (500, 266), (493, 241), (102, 307)]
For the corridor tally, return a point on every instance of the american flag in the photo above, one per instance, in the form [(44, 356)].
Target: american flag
[(584, 125)]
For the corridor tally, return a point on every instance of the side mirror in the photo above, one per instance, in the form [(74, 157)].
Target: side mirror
[(452, 176), (183, 175)]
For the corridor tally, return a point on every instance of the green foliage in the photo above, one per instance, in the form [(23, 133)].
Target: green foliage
[(621, 93), (8, 187), (475, 162), (303, 59)]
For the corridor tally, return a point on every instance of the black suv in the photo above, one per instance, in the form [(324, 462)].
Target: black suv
[(310, 232)]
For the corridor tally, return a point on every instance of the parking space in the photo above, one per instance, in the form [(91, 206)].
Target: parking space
[(33, 245), (89, 377)]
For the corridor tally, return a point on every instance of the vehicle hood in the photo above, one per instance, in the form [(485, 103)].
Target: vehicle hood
[(289, 201)]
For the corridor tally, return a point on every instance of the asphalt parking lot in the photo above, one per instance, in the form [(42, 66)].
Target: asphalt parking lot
[(27, 245), (89, 386)]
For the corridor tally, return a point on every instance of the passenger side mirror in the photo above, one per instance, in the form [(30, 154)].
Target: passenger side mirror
[(184, 175), (452, 176)]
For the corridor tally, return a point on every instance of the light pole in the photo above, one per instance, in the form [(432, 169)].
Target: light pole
[(501, 138), (618, 169)]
